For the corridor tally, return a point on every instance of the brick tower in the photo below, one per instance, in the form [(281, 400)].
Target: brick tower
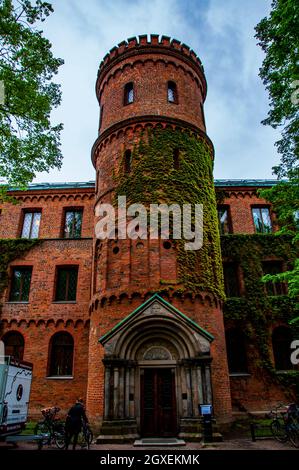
[(157, 343)]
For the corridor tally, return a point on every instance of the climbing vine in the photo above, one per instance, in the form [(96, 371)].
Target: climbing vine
[(255, 311), (154, 178), (11, 249)]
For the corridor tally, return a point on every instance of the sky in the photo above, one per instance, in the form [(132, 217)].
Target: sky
[(221, 32)]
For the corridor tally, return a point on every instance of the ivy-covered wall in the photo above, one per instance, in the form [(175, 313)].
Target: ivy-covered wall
[(154, 178), (255, 312), (11, 249)]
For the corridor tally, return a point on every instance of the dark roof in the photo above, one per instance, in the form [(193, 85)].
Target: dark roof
[(241, 183), (70, 185), (91, 184)]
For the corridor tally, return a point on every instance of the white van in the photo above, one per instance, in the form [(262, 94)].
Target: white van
[(15, 385)]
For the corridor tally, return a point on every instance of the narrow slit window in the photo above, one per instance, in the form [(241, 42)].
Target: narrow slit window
[(128, 161), (129, 93), (172, 94), (176, 159), (101, 116)]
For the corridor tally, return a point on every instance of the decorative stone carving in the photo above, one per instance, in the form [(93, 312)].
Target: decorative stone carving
[(157, 353)]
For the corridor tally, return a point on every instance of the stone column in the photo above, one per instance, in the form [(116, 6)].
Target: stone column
[(115, 393), (132, 392), (107, 391), (208, 384), (195, 398), (127, 392), (199, 384), (121, 393), (185, 392), (189, 392)]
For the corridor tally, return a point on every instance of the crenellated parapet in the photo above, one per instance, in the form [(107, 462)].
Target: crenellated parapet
[(162, 45)]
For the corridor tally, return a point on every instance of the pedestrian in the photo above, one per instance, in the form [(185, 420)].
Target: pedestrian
[(73, 423)]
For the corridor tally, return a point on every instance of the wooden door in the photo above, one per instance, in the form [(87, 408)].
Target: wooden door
[(158, 403)]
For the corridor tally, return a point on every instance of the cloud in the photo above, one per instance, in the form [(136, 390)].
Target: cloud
[(220, 32)]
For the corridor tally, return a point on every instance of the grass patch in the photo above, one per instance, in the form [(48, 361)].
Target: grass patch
[(29, 429)]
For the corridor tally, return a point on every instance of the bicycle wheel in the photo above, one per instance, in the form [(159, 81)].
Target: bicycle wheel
[(294, 437), (82, 440), (59, 435), (88, 437), (41, 429), (293, 431), (278, 430)]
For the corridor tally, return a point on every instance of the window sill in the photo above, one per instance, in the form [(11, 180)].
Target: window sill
[(64, 302), (239, 374), (60, 377), (25, 302)]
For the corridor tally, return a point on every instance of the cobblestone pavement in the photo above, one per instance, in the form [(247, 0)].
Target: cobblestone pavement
[(229, 444)]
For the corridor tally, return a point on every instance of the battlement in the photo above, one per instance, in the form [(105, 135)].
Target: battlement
[(142, 43)]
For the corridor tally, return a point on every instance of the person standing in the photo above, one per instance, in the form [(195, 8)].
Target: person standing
[(73, 423)]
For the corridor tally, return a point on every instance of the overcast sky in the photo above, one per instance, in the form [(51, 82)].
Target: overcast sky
[(221, 32)]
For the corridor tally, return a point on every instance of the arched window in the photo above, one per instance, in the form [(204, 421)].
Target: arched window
[(176, 159), (236, 351), (281, 344), (129, 93), (128, 161), (61, 354), (172, 93), (101, 116), (14, 345)]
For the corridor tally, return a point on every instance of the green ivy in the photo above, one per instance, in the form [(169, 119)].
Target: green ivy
[(153, 179), (255, 311), (11, 249)]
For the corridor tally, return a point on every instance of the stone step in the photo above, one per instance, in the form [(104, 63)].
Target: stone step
[(111, 430), (116, 438), (157, 441), (199, 437)]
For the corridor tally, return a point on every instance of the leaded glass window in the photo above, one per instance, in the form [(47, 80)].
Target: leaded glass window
[(73, 224), (66, 284), (129, 93), (31, 223), (20, 284), (262, 219), (172, 95), (224, 220), (61, 355)]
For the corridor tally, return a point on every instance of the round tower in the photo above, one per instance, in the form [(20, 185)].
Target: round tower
[(157, 344)]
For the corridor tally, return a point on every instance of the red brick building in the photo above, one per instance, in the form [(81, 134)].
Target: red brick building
[(136, 327)]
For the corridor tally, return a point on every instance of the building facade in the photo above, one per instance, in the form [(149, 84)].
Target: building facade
[(141, 328)]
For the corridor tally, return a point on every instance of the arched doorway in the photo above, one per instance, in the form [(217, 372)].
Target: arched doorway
[(157, 370)]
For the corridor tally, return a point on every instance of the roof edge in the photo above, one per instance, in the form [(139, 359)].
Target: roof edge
[(116, 327)]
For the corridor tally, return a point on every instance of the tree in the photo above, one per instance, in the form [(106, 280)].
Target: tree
[(28, 141), (278, 36)]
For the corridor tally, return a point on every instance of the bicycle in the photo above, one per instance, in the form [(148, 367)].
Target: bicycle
[(85, 437), (50, 428), (285, 423)]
